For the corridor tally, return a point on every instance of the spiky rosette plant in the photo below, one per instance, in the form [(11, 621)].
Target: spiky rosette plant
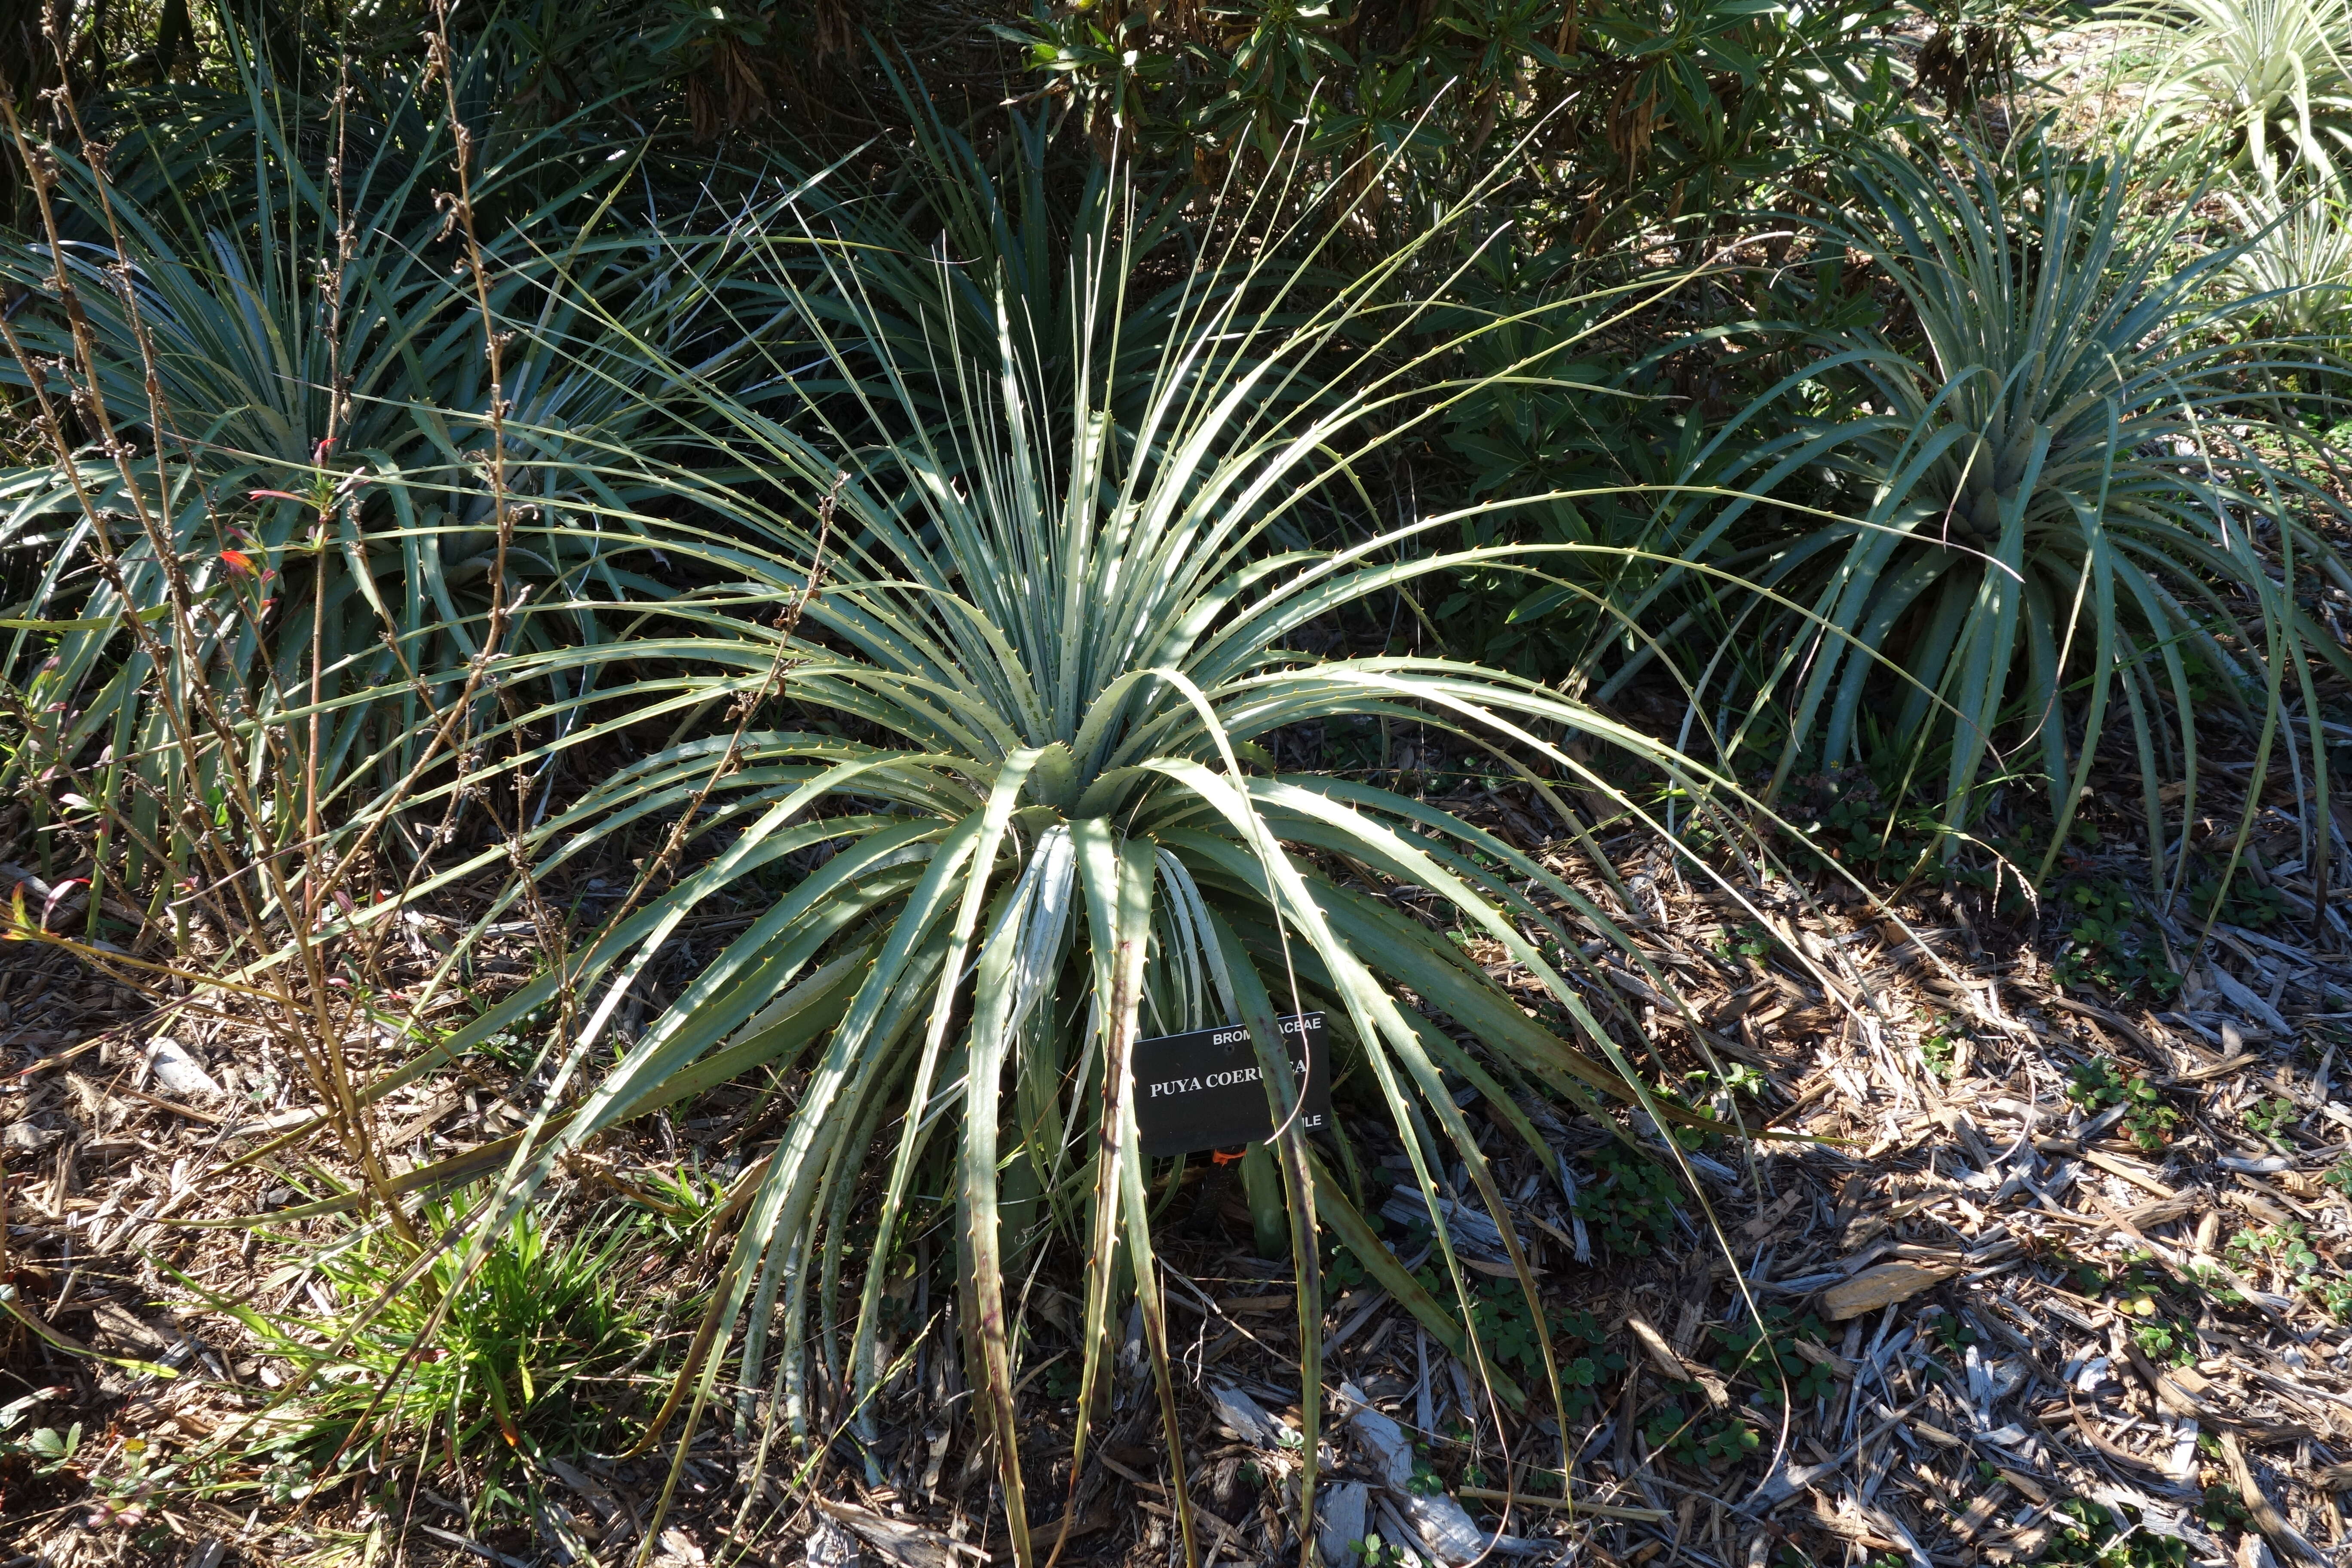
[(2054, 518), (998, 797), (2294, 262), (297, 413), (2272, 77)]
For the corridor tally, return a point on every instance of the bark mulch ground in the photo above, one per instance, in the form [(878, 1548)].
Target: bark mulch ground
[(2049, 1274)]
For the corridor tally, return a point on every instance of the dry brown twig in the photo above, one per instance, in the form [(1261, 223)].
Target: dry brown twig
[(311, 1029)]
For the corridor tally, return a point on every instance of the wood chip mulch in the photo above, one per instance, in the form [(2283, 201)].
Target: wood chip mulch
[(2049, 1275)]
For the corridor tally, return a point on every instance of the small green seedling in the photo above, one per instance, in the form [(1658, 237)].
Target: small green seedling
[(2100, 1084), (1940, 1053), (2270, 1118), (1630, 1204), (2085, 1537), (2166, 1344)]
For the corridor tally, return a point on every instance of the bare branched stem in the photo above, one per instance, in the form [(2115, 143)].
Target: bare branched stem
[(771, 686), (441, 61), (314, 1030)]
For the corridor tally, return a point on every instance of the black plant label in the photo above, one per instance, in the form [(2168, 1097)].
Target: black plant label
[(1205, 1090)]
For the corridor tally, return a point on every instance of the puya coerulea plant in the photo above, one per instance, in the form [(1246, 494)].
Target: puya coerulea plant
[(294, 402), (997, 793), (2266, 81), (2055, 507)]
